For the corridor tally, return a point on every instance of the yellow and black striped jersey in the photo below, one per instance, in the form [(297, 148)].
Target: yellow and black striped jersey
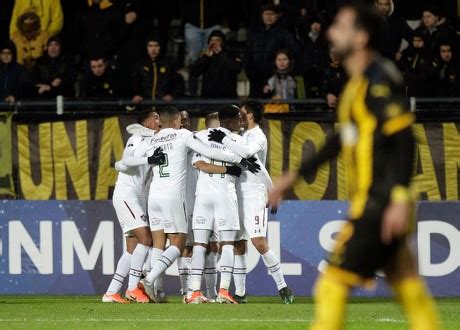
[(374, 137)]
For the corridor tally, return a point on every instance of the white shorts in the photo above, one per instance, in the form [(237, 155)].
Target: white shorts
[(130, 213), (253, 214), (167, 212), (215, 214)]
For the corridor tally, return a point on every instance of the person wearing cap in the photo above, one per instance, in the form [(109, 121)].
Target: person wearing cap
[(14, 78), (54, 73), (30, 39), (263, 42), (219, 69), (155, 77)]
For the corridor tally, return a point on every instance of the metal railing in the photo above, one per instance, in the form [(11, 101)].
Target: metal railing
[(432, 109)]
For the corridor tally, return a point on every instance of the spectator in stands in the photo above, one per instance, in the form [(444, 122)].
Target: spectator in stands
[(314, 52), (29, 39), (263, 42), (131, 49), (282, 84), (48, 11), (433, 29), (395, 29), (218, 68), (100, 29), (446, 73), (155, 76), (415, 66), (54, 73), (14, 78), (100, 81), (334, 79), (200, 18)]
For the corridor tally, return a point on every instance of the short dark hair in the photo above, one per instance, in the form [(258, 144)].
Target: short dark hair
[(255, 107), (143, 116), (168, 113), (228, 112), (97, 58), (369, 19)]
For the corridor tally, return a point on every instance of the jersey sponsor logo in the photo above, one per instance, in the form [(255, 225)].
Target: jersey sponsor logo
[(165, 138)]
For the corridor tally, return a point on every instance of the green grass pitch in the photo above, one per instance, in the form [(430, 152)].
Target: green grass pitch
[(72, 312)]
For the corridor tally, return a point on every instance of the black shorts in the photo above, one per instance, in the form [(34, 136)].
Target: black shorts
[(359, 248)]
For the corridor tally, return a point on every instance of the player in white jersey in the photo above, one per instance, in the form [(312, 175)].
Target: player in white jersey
[(129, 203), (252, 200), (166, 207), (216, 206), (184, 262)]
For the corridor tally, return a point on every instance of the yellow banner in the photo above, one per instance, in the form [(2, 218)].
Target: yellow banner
[(74, 159)]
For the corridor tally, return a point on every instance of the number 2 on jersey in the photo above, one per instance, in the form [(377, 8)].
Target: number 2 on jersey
[(163, 172)]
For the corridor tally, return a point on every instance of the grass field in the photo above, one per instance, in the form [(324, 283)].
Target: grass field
[(260, 313)]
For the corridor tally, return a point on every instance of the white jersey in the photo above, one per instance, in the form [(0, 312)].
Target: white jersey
[(170, 178), (132, 182), (253, 143), (219, 185)]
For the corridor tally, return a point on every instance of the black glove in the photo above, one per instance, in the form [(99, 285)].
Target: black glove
[(233, 170), (216, 136), (274, 210), (250, 164), (157, 158)]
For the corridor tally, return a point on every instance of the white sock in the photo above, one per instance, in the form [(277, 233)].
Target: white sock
[(167, 259), (198, 260), (226, 266), (273, 265), (137, 260), (158, 284), (155, 254), (122, 271), (239, 275), (184, 264), (210, 275), (147, 263)]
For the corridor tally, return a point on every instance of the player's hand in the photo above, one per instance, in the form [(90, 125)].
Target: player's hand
[(157, 158), (250, 164), (233, 170), (395, 223), (216, 136)]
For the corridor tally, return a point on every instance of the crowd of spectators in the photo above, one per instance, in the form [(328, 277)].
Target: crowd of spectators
[(127, 48)]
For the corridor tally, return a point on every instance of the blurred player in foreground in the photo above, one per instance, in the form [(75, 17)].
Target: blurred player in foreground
[(378, 147)]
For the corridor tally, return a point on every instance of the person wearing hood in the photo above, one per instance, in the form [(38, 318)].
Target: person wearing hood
[(219, 69), (395, 29), (54, 73), (263, 42), (48, 11), (415, 65), (30, 39), (14, 78), (155, 77)]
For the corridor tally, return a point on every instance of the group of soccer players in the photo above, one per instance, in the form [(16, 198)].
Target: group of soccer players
[(205, 193)]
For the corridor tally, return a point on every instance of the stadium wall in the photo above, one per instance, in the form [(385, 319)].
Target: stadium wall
[(71, 247)]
